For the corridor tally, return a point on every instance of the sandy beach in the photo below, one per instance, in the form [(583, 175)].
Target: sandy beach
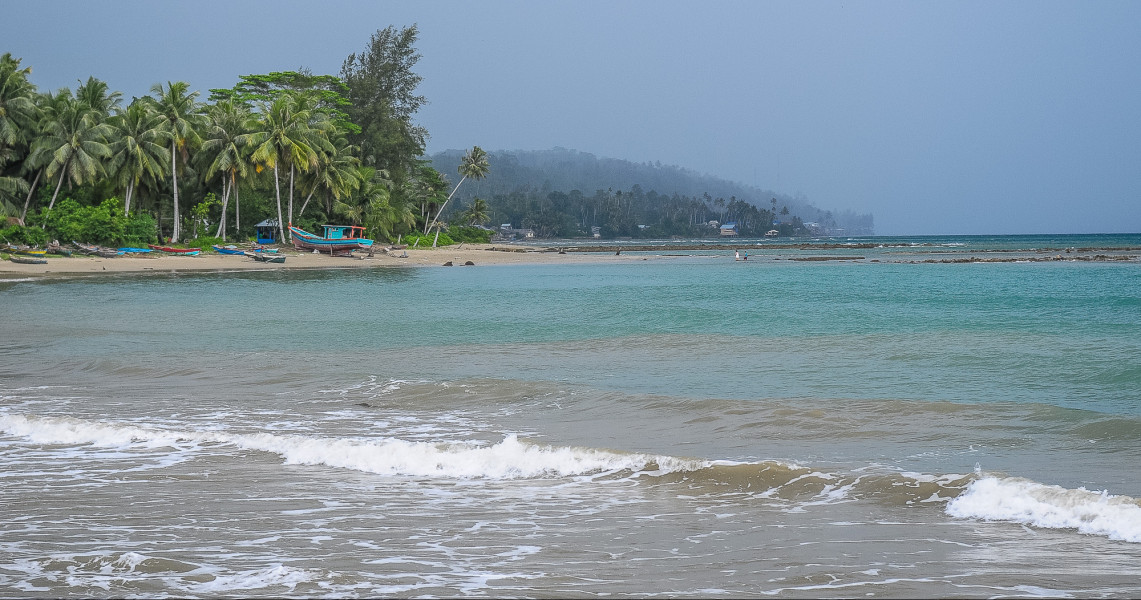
[(477, 254)]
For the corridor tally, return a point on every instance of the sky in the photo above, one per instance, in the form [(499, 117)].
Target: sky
[(962, 117)]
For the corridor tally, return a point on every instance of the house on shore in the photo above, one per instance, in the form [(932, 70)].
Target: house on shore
[(729, 229)]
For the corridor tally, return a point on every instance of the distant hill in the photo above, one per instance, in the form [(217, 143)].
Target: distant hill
[(563, 170)]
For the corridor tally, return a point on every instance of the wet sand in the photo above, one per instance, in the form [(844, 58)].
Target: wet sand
[(154, 262)]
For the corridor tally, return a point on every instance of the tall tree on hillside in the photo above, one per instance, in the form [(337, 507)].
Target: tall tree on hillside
[(180, 112), (138, 150), (382, 89), (473, 165)]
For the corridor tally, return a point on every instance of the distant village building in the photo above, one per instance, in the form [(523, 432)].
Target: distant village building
[(596, 231), (507, 232), (729, 229)]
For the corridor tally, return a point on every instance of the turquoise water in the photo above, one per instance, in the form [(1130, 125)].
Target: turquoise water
[(687, 425)]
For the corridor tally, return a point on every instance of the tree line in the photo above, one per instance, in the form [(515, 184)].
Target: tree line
[(563, 193), (292, 146)]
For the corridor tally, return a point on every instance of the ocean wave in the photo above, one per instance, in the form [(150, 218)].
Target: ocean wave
[(1028, 502)]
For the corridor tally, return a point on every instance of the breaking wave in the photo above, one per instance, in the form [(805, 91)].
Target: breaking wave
[(972, 496)]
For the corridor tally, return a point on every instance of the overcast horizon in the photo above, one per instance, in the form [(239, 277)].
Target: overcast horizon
[(937, 118)]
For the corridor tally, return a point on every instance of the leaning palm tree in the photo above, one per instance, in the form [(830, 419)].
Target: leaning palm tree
[(337, 173), (474, 164), (137, 148), (179, 110), (76, 143)]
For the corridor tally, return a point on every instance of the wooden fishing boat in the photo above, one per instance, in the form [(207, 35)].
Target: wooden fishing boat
[(134, 250), (86, 248), (337, 238), (228, 250), (266, 258), (178, 251), (27, 260), (30, 252)]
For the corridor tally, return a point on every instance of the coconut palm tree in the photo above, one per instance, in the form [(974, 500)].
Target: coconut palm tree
[(476, 214), (474, 165), (76, 142), (97, 96), (180, 113), (227, 157), (137, 148), (337, 173), (287, 137), (18, 111)]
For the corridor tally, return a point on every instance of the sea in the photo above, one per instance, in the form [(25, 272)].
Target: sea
[(953, 416)]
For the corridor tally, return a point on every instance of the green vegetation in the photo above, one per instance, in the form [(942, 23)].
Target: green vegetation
[(293, 146), (310, 149)]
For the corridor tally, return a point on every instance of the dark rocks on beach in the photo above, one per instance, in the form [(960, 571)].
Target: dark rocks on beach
[(448, 264), (469, 264)]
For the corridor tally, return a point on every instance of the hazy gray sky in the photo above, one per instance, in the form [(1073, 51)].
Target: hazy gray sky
[(937, 117)]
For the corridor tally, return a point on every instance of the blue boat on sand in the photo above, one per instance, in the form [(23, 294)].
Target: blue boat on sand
[(337, 239), (228, 250)]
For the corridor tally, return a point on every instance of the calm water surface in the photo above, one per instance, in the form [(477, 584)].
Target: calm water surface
[(681, 426)]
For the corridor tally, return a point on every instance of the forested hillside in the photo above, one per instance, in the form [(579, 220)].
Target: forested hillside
[(564, 193)]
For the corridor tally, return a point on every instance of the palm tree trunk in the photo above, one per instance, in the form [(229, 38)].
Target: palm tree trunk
[(277, 189), (58, 185), (291, 198), (127, 202), (174, 180), (441, 211), (221, 233), (306, 203), (237, 205), (28, 200)]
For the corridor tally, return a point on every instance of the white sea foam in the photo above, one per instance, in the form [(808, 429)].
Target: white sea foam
[(508, 459), (1050, 506)]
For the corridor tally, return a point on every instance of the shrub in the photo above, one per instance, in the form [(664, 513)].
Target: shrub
[(28, 236), (470, 235), (425, 241)]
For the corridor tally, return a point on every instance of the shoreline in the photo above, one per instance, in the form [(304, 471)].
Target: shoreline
[(500, 254), (477, 254)]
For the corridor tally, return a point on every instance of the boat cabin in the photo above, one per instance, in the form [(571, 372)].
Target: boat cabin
[(266, 231), (343, 232)]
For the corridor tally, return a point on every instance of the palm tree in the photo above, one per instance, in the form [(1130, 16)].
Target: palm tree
[(137, 148), (287, 135), (96, 96), (76, 142), (477, 212), (19, 121), (337, 174), (229, 121), (179, 111), (18, 111), (474, 165)]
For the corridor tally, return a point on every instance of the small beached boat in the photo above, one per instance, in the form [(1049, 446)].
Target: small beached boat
[(266, 258), (337, 238), (178, 251), (28, 260), (134, 250), (228, 250), (29, 252)]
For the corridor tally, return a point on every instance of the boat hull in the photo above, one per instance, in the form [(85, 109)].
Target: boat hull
[(308, 241)]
